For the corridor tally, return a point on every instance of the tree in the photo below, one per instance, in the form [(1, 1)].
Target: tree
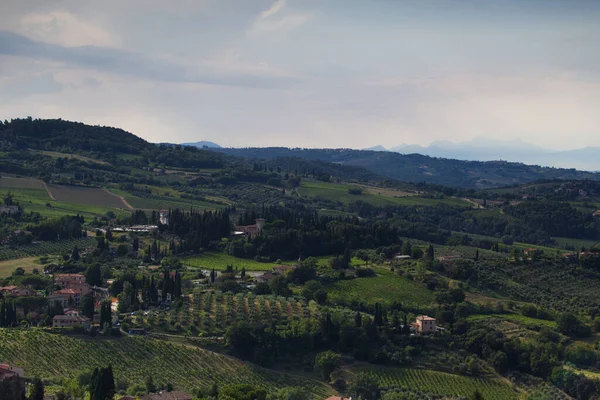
[(150, 386), (102, 384), (75, 254), (87, 305), (37, 389), (476, 395), (93, 275), (290, 393), (430, 252), (364, 386), (327, 362), (407, 248)]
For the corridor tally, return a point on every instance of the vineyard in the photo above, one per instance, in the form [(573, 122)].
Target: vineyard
[(54, 357), (212, 312), (550, 284), (385, 288), (44, 248), (441, 383)]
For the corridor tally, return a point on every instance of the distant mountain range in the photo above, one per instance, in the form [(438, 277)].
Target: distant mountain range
[(480, 149), (202, 144)]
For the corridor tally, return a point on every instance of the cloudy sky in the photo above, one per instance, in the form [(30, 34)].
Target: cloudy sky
[(310, 73)]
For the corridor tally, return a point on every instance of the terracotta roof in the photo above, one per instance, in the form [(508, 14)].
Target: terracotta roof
[(70, 318), (425, 318), (65, 291), (69, 275), (7, 288)]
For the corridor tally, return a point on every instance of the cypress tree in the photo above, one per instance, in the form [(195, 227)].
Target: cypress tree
[(37, 389)]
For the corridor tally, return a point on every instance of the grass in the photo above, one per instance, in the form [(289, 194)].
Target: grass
[(339, 192), (519, 319), (442, 383), (37, 200), (28, 264), (56, 357), (220, 261), (385, 288), (56, 154)]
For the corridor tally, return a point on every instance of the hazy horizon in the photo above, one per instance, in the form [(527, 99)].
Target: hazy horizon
[(308, 73)]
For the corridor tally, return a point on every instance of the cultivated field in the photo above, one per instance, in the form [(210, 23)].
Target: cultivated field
[(20, 183), (85, 195), (212, 313), (220, 261), (55, 357), (442, 383), (526, 322), (28, 264), (56, 154), (385, 288), (339, 192)]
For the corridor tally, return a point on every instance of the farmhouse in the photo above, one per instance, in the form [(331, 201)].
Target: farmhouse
[(65, 280), (530, 252), (69, 321), (448, 259), (76, 292), (251, 230), (175, 395), (425, 324), (283, 269), (16, 291), (9, 209), (163, 216), (596, 214), (266, 277)]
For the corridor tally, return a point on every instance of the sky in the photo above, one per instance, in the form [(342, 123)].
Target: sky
[(309, 73)]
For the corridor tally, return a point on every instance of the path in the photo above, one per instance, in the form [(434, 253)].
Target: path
[(49, 192), (125, 203)]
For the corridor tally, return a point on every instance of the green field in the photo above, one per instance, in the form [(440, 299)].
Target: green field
[(442, 383), (28, 264), (339, 192), (55, 357), (220, 261), (385, 288), (37, 200), (519, 319)]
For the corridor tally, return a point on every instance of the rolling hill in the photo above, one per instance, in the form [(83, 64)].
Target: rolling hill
[(419, 168)]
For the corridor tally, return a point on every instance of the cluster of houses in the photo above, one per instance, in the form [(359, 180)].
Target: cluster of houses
[(72, 289)]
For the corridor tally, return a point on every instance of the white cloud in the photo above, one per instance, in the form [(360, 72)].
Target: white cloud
[(66, 29), (277, 19)]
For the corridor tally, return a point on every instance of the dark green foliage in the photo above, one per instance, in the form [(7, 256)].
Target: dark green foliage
[(327, 362), (242, 392), (87, 306), (363, 386), (37, 389), (102, 384), (93, 275)]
